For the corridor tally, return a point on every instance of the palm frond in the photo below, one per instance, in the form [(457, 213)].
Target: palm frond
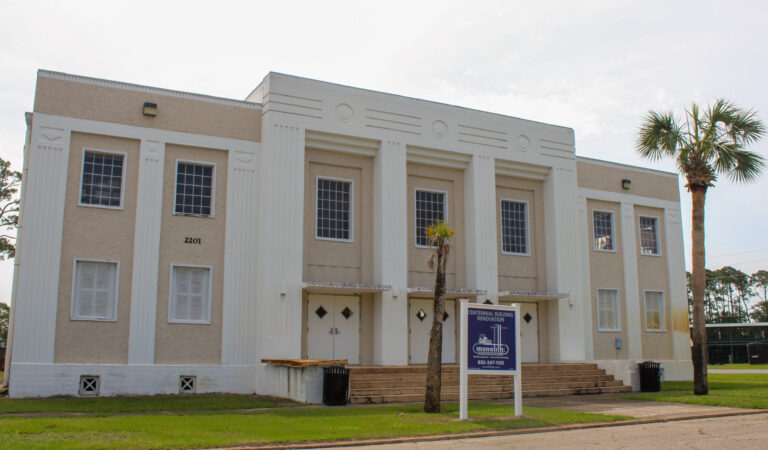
[(746, 165), (660, 135)]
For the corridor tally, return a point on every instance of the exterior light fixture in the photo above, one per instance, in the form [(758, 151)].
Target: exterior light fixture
[(150, 109), (626, 184)]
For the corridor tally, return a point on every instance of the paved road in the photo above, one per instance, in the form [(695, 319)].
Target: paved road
[(724, 432)]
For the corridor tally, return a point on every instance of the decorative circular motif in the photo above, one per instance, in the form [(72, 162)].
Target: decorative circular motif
[(344, 113), (523, 143), (439, 129)]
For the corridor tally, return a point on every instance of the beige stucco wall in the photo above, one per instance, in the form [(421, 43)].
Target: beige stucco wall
[(450, 181), (327, 260), (517, 272), (96, 233), (607, 177), (653, 274), (111, 104), (606, 270), (180, 343)]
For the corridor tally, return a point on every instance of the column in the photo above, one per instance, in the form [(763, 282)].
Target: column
[(585, 241), (481, 226), (37, 289), (146, 249), (678, 293), (564, 273), (239, 336), (390, 254), (631, 282), (280, 238)]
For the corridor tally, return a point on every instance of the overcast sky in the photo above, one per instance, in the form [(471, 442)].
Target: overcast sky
[(595, 66)]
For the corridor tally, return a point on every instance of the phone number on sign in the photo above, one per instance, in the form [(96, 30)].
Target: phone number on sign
[(490, 362)]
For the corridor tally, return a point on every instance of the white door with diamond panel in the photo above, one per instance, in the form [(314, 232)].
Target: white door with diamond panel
[(529, 332), (333, 327), (420, 318)]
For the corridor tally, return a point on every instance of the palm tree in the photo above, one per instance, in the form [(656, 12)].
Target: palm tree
[(706, 144), (439, 236)]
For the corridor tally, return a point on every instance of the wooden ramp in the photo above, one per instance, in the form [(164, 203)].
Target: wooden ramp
[(391, 384)]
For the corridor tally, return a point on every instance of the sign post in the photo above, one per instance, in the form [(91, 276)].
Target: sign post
[(490, 345)]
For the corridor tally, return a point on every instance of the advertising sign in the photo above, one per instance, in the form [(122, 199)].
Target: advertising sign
[(489, 345), (491, 340)]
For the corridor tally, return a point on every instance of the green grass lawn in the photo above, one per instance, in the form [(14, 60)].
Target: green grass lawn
[(739, 366), (274, 425), (139, 403), (738, 390)]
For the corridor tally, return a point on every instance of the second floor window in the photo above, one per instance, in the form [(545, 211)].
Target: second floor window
[(334, 209), (102, 182), (430, 208), (514, 227), (194, 189), (649, 236), (603, 230)]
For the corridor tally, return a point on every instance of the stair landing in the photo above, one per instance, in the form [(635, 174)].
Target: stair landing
[(393, 384)]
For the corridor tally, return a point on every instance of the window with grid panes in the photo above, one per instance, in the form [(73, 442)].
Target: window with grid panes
[(194, 189), (654, 310), (514, 227), (603, 229), (608, 310), (649, 236), (190, 295), (430, 208), (94, 292), (102, 180), (334, 209)]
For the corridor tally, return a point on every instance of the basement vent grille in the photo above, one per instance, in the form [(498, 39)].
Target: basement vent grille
[(89, 385), (187, 384)]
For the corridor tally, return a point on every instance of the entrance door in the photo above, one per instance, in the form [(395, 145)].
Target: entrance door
[(529, 332), (333, 327), (420, 318)]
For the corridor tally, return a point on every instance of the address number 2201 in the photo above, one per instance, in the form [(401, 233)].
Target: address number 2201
[(193, 240)]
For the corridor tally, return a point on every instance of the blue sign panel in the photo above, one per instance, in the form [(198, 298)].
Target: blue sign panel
[(491, 339)]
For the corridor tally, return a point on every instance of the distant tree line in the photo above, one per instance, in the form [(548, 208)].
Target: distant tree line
[(732, 296)]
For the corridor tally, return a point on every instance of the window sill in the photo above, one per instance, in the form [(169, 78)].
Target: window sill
[(608, 331), (191, 322), (113, 208), (655, 331), (94, 319), (515, 254), (346, 241), (605, 251), (193, 215), (650, 254)]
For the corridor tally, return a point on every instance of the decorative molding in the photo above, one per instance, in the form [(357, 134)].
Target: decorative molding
[(438, 158), (391, 121), (521, 170), (292, 105), (439, 129), (147, 89), (523, 143), (614, 165), (344, 113), (483, 137), (341, 144)]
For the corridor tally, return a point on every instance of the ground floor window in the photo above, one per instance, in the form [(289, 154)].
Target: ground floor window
[(654, 310), (608, 310), (94, 295), (190, 294)]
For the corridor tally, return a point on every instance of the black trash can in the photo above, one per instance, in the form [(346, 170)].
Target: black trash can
[(758, 353), (650, 376), (335, 385)]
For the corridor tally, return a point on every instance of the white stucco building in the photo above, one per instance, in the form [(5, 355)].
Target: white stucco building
[(167, 235)]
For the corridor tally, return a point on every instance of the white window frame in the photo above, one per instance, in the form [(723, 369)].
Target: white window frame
[(618, 310), (658, 235), (351, 208), (613, 230), (122, 178), (415, 218), (527, 227), (662, 311), (213, 187), (72, 309), (171, 292)]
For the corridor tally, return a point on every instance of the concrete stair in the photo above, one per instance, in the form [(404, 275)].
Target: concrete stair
[(391, 384)]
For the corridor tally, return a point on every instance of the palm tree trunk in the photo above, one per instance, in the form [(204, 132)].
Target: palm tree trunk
[(700, 386), (435, 357)]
